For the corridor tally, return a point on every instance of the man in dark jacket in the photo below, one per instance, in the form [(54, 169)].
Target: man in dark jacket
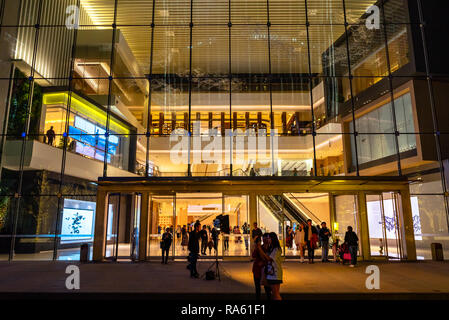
[(310, 237), (352, 241), (194, 249), (324, 235), (204, 237), (166, 244)]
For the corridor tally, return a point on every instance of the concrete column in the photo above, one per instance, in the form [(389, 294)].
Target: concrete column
[(144, 226), (101, 216), (407, 232), (364, 245)]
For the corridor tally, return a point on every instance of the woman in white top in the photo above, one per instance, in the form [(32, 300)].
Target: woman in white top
[(300, 242), (273, 270)]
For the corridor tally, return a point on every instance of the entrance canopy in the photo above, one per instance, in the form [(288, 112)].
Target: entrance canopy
[(375, 201)]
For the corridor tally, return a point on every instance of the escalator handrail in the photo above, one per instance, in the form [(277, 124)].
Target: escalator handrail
[(303, 207)]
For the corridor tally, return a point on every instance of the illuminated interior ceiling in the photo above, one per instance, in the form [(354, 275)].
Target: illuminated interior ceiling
[(210, 45), (210, 35)]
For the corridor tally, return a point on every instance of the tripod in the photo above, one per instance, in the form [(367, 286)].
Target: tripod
[(216, 265)]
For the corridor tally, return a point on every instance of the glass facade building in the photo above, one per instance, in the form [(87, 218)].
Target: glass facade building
[(222, 90)]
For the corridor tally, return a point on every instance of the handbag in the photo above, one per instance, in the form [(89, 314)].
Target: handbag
[(346, 256), (269, 269)]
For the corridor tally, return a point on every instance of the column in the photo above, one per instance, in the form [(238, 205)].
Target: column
[(252, 218), (408, 232), (364, 245), (100, 225), (144, 226)]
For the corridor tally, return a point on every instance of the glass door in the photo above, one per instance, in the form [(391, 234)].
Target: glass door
[(384, 225), (122, 230), (376, 226), (112, 230), (346, 215)]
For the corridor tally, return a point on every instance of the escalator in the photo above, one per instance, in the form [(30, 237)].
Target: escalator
[(294, 209)]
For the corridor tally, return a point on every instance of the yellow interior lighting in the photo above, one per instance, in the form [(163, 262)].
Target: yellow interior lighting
[(85, 108)]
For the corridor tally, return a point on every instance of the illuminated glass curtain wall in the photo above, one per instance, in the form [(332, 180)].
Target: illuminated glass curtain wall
[(280, 82)]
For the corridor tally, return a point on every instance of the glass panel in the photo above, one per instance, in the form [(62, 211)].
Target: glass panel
[(7, 212), (236, 207), (346, 214), (36, 228), (162, 216), (430, 224), (249, 12), (206, 208), (169, 12), (76, 227), (270, 216), (112, 229)]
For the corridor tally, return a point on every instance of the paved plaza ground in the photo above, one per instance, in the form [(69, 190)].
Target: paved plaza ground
[(156, 281)]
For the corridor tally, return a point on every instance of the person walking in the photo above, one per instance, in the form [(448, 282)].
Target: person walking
[(260, 259), (352, 241), (324, 235), (274, 266), (166, 244), (194, 248), (289, 237), (184, 238), (311, 237), (300, 242), (204, 238)]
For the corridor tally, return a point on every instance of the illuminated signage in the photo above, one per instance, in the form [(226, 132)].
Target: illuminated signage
[(77, 225)]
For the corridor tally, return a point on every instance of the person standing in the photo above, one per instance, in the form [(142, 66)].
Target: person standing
[(166, 244), (134, 239), (226, 241), (194, 248), (310, 236), (178, 233), (352, 241), (260, 259), (51, 135), (300, 242), (214, 235), (274, 267), (184, 238), (324, 235), (204, 237), (256, 232)]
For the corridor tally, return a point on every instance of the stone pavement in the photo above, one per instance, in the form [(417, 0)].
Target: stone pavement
[(156, 281)]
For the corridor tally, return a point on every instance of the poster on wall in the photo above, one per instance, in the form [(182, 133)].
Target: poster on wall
[(77, 225)]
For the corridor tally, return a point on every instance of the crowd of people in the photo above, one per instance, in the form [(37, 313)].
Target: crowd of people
[(266, 251)]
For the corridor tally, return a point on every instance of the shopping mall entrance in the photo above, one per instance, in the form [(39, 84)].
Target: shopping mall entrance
[(137, 212)]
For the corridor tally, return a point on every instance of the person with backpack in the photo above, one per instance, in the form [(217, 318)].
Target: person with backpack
[(352, 241), (166, 244)]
